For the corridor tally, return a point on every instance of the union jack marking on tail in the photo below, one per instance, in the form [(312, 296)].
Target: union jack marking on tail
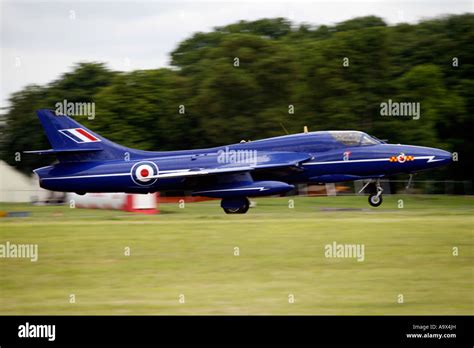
[(79, 135)]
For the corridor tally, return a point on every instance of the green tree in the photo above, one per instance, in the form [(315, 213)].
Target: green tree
[(22, 131)]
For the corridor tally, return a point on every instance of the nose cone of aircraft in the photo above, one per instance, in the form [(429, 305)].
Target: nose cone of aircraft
[(431, 157), (442, 155)]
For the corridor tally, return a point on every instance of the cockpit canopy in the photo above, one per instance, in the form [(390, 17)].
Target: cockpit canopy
[(353, 138)]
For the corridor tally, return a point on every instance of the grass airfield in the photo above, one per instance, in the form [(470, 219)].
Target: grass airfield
[(191, 251)]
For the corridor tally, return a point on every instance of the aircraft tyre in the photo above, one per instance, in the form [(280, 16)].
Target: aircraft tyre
[(375, 200), (238, 210)]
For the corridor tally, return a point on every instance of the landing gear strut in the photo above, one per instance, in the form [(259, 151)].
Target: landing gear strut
[(235, 205), (375, 196)]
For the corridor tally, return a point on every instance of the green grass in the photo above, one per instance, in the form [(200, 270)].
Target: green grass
[(190, 251)]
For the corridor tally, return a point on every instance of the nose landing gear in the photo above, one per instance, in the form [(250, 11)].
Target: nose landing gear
[(375, 197), (375, 200)]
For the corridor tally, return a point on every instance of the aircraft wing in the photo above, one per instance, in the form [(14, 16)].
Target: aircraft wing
[(266, 161)]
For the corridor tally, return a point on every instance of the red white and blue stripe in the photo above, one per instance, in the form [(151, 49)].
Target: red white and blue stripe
[(79, 135)]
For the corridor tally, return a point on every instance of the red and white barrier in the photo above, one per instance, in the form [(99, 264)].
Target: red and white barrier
[(139, 203)]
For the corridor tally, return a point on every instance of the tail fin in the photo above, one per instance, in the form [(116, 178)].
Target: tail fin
[(73, 142)]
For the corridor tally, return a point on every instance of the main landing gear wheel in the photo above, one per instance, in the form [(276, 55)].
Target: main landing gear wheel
[(235, 206), (375, 200)]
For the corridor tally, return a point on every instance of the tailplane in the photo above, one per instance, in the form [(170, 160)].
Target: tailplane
[(72, 142)]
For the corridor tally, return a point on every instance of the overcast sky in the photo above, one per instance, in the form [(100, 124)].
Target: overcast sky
[(40, 40)]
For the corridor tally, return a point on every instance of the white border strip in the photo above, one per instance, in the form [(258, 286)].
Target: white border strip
[(105, 175), (429, 158), (234, 189), (187, 172)]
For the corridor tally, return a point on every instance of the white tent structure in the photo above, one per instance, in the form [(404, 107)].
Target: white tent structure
[(18, 187)]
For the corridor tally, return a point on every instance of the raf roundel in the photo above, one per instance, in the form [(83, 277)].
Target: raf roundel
[(144, 173), (401, 158)]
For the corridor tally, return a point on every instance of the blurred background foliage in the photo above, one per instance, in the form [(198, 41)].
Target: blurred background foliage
[(280, 64)]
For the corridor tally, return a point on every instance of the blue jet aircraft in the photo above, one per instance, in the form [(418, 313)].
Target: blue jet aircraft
[(87, 162)]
